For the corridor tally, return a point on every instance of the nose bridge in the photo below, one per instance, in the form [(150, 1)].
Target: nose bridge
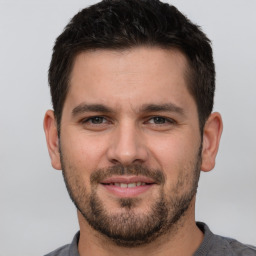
[(127, 145)]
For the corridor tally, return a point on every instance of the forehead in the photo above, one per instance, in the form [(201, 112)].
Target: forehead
[(138, 76), (137, 60)]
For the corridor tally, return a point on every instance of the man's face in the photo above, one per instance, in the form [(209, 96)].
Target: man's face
[(130, 142)]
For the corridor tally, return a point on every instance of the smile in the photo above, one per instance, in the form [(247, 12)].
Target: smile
[(127, 186)]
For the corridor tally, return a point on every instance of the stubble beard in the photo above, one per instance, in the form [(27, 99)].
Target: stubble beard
[(128, 228)]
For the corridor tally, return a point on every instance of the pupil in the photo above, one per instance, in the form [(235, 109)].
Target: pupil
[(97, 120), (159, 120)]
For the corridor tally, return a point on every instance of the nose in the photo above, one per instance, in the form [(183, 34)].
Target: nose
[(127, 146)]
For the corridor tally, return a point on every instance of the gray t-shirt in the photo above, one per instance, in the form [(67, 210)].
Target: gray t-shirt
[(212, 245)]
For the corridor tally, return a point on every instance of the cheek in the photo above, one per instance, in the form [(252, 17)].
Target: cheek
[(176, 156), (83, 144), (173, 151), (81, 153)]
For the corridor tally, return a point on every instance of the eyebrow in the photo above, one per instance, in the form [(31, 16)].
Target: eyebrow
[(82, 108), (146, 108), (167, 107)]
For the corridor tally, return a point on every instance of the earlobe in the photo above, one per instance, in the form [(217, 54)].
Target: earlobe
[(51, 134), (211, 139)]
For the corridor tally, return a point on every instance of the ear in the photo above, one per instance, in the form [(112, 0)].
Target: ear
[(211, 139), (51, 134)]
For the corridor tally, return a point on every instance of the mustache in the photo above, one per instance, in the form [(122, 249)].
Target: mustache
[(134, 169)]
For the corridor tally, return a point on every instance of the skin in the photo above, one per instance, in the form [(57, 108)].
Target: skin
[(125, 82)]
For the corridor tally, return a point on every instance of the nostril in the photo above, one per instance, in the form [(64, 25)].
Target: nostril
[(114, 161)]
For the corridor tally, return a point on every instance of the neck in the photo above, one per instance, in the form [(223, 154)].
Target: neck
[(184, 239)]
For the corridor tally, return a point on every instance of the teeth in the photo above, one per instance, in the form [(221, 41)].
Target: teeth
[(129, 185)]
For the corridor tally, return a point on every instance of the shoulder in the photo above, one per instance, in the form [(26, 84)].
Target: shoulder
[(62, 251), (236, 247), (213, 245), (68, 249)]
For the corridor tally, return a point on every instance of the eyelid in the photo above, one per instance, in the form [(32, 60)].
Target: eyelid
[(89, 118), (167, 119)]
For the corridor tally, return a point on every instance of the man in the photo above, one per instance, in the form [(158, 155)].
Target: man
[(132, 85)]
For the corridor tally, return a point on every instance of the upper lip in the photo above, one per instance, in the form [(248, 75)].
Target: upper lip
[(127, 179)]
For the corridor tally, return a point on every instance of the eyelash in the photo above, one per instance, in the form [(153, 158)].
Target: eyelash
[(164, 120), (87, 120)]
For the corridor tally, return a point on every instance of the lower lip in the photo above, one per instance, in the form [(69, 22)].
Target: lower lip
[(127, 192)]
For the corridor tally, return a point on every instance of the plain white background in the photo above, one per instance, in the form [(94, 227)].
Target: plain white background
[(36, 214)]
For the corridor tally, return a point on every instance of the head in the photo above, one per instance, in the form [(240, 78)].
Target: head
[(132, 86), (117, 25)]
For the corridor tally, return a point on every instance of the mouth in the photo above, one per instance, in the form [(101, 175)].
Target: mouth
[(129, 186)]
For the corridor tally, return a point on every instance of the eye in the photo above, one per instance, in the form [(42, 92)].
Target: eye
[(95, 120), (160, 120)]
